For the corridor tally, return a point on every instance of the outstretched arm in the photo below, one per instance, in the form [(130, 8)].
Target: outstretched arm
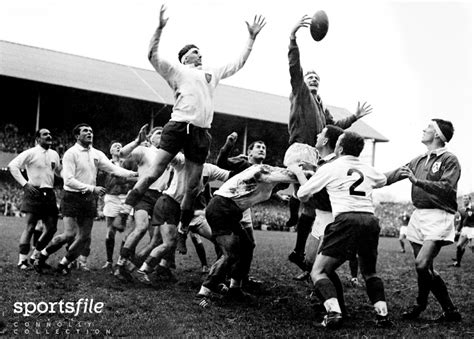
[(254, 29), (296, 72), (163, 67)]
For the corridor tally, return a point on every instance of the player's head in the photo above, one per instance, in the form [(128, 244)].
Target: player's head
[(115, 147), (349, 143), (328, 137), (155, 135), (466, 200), (190, 54), (83, 134), (257, 152), (43, 138), (311, 78), (438, 131)]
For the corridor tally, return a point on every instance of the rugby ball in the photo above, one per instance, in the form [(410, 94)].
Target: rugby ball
[(319, 25)]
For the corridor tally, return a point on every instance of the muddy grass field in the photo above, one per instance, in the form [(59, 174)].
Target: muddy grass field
[(282, 307)]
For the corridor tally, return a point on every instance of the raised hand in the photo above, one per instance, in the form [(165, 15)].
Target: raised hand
[(232, 138), (163, 20), (305, 21), (363, 110), (256, 26), (141, 137)]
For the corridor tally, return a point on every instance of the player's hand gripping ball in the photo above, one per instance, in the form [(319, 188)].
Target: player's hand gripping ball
[(319, 25)]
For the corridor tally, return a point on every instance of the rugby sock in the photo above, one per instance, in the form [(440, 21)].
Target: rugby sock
[(35, 254), (459, 254), (424, 286), (185, 219), (339, 291), (354, 267), (440, 291), (120, 261), (36, 235), (53, 248), (22, 257), (126, 253), (86, 249), (82, 259), (200, 250), (151, 262), (375, 290), (145, 267), (381, 308), (25, 249), (235, 283), (332, 305), (305, 223), (109, 248), (64, 261), (204, 291), (326, 289), (294, 205), (44, 252)]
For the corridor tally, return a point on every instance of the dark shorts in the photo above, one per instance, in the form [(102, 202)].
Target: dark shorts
[(75, 204), (351, 234), (224, 216), (194, 141), (167, 210), (148, 201), (42, 205)]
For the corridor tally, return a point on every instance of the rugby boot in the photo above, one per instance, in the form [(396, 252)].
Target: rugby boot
[(413, 312), (332, 320), (451, 316), (63, 269)]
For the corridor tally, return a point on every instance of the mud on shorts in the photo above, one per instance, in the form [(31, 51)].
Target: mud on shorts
[(194, 141), (431, 224), (43, 204)]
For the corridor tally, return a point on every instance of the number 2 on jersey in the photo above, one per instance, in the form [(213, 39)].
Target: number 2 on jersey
[(352, 189)]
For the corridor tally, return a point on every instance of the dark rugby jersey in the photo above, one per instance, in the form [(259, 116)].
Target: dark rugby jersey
[(438, 174), (467, 217), (308, 116)]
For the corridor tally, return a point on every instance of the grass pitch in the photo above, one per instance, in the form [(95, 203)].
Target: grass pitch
[(282, 308)]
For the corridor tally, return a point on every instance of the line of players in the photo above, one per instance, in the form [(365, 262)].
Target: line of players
[(337, 204)]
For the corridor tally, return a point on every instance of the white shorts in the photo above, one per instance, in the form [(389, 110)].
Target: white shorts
[(467, 232), (246, 220), (298, 153), (113, 204), (323, 218), (431, 224), (403, 230)]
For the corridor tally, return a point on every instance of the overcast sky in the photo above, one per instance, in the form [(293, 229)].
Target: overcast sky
[(411, 60)]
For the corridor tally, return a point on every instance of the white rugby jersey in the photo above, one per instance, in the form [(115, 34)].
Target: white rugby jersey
[(254, 185), (194, 87), (80, 166), (349, 183), (40, 164), (178, 183)]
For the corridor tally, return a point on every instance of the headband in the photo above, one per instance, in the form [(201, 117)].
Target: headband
[(185, 55), (438, 130)]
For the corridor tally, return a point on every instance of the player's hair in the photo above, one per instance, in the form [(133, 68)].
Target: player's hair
[(446, 128), (38, 133), (153, 130), (352, 143), (185, 50), (77, 129), (332, 134), (311, 71), (114, 142), (253, 144)]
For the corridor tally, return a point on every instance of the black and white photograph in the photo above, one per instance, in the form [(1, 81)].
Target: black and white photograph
[(236, 169)]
